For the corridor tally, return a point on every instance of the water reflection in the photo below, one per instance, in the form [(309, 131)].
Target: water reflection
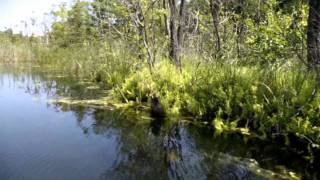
[(61, 141)]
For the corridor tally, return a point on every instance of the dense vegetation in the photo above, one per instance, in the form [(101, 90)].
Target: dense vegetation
[(248, 66)]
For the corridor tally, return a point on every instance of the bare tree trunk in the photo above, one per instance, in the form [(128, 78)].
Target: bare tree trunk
[(313, 33), (241, 27), (181, 19), (140, 23), (166, 22), (174, 45), (215, 10)]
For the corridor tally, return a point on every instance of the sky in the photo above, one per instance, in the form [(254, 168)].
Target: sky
[(13, 12)]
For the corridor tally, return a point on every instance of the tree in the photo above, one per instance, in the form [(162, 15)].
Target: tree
[(79, 22), (74, 26), (176, 33), (313, 32), (111, 18), (215, 10)]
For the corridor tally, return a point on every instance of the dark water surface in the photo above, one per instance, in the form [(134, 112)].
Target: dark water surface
[(40, 140)]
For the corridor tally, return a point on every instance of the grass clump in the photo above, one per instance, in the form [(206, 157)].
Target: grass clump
[(166, 82)]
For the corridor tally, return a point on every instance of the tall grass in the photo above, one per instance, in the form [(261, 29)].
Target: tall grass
[(14, 52)]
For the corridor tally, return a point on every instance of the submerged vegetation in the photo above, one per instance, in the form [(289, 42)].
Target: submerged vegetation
[(247, 66)]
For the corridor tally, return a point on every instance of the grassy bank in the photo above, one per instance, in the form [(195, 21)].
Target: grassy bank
[(274, 101)]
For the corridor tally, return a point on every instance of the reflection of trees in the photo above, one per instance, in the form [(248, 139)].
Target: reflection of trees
[(268, 154), (141, 154)]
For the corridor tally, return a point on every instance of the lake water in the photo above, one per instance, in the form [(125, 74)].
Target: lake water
[(41, 140)]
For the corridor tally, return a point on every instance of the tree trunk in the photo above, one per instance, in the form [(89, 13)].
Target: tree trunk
[(313, 33), (140, 22), (240, 27), (174, 45), (215, 9), (181, 19), (166, 22)]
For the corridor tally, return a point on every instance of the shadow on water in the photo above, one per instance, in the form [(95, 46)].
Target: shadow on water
[(138, 147)]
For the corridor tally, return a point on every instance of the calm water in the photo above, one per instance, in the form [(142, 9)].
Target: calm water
[(40, 140)]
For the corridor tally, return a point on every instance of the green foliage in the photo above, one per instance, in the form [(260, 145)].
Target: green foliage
[(278, 36), (167, 83), (278, 100), (72, 27)]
